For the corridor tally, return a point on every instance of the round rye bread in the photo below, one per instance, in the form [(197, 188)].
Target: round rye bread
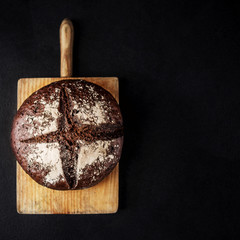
[(68, 134)]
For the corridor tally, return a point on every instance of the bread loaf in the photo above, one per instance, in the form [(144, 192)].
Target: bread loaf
[(68, 135)]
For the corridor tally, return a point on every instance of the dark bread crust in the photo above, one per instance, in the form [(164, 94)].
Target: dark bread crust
[(88, 120)]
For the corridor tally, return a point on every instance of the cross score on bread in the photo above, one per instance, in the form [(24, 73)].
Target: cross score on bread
[(68, 134)]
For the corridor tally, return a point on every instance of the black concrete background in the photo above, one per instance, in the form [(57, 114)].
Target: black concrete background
[(178, 66)]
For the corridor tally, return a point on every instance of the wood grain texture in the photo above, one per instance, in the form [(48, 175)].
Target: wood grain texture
[(33, 198), (66, 35)]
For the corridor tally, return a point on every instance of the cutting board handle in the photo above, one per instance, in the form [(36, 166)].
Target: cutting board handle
[(66, 34)]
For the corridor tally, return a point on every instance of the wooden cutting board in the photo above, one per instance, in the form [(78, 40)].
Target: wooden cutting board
[(33, 198)]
